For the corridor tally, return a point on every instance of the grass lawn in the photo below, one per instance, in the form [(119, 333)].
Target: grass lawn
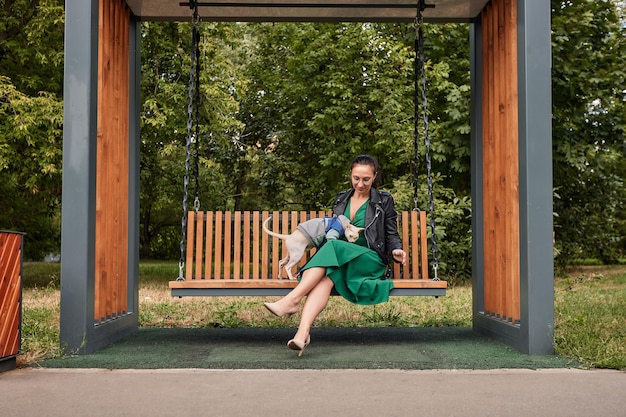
[(590, 311)]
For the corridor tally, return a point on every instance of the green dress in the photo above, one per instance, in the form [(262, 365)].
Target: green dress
[(356, 270)]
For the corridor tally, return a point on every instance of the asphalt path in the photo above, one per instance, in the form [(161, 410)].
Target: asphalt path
[(302, 393)]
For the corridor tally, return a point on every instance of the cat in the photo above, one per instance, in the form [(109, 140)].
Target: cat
[(312, 234)]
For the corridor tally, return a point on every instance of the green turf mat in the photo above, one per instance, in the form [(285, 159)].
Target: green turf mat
[(331, 348)]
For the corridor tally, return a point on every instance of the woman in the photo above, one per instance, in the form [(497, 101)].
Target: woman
[(356, 270)]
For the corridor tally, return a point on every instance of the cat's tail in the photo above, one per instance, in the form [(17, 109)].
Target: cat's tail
[(269, 232)]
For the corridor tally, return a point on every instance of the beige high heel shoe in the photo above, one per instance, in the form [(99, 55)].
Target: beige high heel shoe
[(272, 308), (299, 346)]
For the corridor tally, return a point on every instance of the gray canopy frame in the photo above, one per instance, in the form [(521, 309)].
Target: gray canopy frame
[(510, 142)]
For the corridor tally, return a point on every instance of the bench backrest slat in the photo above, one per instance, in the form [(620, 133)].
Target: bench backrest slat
[(199, 242), (227, 239), (208, 259), (232, 245), (190, 244), (236, 246), (423, 245), (246, 244), (264, 252), (219, 234)]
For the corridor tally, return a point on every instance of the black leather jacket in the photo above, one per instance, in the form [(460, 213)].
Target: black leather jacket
[(381, 224)]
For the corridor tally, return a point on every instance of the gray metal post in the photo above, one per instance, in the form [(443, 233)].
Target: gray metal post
[(535, 189), (79, 334), (478, 239), (534, 333), (79, 172), (133, 172)]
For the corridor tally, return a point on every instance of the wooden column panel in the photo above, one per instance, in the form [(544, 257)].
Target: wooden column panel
[(112, 179), (501, 161)]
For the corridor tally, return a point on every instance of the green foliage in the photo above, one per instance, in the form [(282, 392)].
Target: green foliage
[(31, 131), (40, 332), (453, 232), (343, 89), (327, 92), (330, 104), (163, 131), (40, 275), (590, 311), (382, 316), (589, 119), (31, 51), (229, 315), (31, 120), (166, 61), (157, 272), (590, 318), (286, 106)]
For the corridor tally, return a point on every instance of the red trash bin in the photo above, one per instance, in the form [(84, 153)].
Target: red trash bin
[(11, 248)]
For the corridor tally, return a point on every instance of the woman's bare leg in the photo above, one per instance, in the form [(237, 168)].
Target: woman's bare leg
[(289, 303), (315, 302)]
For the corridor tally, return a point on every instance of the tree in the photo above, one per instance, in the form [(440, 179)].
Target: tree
[(31, 117), (327, 92), (589, 119), (286, 106), (166, 59)]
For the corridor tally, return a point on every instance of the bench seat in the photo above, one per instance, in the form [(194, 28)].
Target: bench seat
[(212, 287), (234, 242)]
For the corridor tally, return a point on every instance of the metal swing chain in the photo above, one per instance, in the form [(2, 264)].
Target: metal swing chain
[(196, 34), (431, 201), (190, 138), (415, 121)]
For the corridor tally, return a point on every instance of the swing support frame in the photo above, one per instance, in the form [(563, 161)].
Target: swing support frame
[(511, 158), (219, 284)]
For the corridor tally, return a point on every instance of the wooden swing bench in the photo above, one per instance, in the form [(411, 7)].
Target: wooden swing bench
[(228, 254)]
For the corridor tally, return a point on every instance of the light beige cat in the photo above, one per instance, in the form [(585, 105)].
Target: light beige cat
[(310, 234)]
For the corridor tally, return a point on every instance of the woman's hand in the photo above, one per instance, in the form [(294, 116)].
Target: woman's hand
[(399, 255)]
